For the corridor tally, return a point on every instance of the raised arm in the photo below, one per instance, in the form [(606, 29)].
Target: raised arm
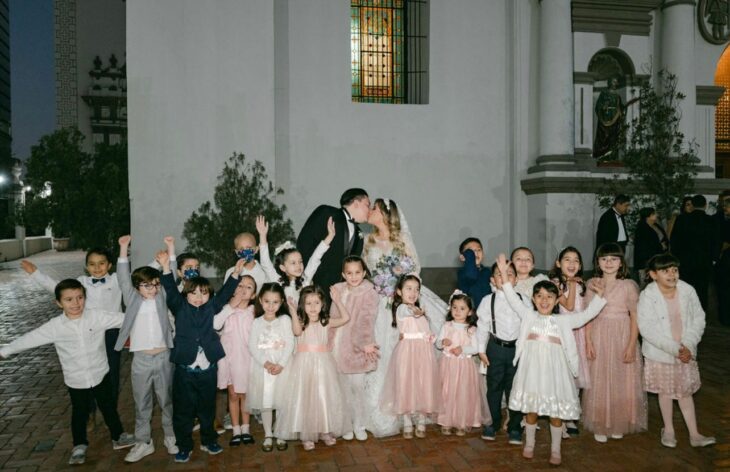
[(229, 288), (44, 280), (262, 227), (44, 334), (313, 232), (296, 324), (123, 270), (316, 259), (174, 299)]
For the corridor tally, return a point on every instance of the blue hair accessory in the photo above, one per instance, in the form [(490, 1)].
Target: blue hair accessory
[(191, 273), (247, 254)]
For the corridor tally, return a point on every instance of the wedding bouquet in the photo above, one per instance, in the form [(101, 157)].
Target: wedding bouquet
[(389, 268)]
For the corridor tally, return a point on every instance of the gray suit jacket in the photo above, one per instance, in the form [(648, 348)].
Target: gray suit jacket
[(133, 301)]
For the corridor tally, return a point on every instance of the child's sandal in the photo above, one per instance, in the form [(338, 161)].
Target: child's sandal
[(446, 431), (268, 444), (420, 431), (408, 433), (281, 445)]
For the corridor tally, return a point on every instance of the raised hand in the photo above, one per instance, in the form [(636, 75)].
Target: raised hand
[(262, 227), (598, 287), (330, 231), (292, 304), (335, 295), (170, 244), (163, 258), (502, 265), (240, 265), (125, 240), (28, 266)]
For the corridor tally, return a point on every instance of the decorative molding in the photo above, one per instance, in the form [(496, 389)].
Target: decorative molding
[(673, 3), (709, 94), (592, 185), (631, 17), (65, 63), (713, 25), (585, 78)]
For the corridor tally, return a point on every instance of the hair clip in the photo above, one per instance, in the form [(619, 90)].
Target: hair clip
[(456, 292), (386, 202), (283, 247)]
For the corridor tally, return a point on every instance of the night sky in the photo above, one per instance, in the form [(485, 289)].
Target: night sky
[(32, 82)]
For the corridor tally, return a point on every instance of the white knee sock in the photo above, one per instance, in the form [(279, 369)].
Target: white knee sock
[(530, 430), (556, 436)]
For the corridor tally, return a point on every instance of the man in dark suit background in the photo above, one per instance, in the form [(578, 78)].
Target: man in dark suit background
[(612, 226), (722, 267), (354, 209), (694, 243)]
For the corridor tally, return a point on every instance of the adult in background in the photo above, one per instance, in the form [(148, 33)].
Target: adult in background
[(354, 209), (693, 242), (650, 239), (684, 209), (722, 267), (612, 225)]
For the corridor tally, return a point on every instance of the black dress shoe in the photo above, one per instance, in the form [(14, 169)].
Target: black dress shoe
[(235, 440), (247, 438)]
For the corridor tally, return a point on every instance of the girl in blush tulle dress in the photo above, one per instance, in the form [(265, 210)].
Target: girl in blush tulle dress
[(233, 369), (311, 397), (568, 276), (462, 388), (412, 384), (615, 403), (671, 322)]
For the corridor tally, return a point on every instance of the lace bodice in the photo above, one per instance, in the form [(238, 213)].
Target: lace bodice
[(387, 263)]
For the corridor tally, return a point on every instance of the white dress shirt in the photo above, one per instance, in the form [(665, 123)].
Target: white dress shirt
[(257, 272), (105, 296), (79, 344), (146, 333), (350, 225), (506, 319), (621, 230)]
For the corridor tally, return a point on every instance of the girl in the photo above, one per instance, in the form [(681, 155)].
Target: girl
[(462, 388), (412, 382), (311, 400), (270, 344), (290, 271), (548, 361), (524, 262), (568, 276), (234, 368), (614, 404), (353, 344), (671, 322)]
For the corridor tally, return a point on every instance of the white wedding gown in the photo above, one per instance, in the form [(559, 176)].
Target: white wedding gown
[(378, 423)]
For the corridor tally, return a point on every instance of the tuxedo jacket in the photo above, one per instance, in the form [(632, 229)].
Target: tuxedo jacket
[(694, 241), (315, 230), (607, 231)]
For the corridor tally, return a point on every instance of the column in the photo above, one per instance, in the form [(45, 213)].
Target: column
[(678, 57), (556, 82)]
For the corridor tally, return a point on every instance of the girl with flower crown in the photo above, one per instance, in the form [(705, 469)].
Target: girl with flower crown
[(289, 270), (390, 253)]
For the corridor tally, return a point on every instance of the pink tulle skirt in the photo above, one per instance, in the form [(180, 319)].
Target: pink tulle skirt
[(616, 402), (464, 394), (678, 380), (412, 382)]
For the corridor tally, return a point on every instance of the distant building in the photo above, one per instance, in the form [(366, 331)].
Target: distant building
[(5, 135)]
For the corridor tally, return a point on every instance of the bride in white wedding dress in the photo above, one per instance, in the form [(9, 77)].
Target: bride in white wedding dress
[(389, 253)]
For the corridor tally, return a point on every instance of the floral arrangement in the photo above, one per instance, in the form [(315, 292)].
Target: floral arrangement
[(389, 268)]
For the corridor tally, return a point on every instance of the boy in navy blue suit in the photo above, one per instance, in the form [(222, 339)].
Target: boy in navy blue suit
[(473, 277)]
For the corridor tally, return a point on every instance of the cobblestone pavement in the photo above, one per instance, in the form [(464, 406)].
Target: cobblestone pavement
[(35, 417)]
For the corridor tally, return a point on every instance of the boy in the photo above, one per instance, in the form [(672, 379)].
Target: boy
[(196, 352), (498, 327), (102, 293), (78, 336), (246, 249), (147, 326), (473, 278)]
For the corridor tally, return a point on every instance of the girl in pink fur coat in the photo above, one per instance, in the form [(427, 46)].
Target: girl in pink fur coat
[(353, 344)]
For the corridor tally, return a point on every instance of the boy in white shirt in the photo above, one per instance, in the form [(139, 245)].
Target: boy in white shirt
[(78, 336), (246, 249)]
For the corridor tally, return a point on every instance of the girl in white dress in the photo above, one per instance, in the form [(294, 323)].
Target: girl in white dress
[(288, 268), (544, 384), (524, 262), (311, 400), (271, 344)]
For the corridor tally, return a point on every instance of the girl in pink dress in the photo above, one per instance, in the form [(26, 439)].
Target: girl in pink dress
[(353, 344), (568, 276), (671, 322), (310, 399), (615, 403), (462, 388), (412, 384), (233, 369)]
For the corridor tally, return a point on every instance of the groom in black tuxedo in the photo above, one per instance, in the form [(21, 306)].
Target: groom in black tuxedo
[(354, 209)]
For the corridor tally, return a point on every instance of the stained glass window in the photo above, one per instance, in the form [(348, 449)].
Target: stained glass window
[(722, 112)]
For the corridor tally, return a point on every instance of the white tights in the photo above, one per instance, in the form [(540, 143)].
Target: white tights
[(686, 406)]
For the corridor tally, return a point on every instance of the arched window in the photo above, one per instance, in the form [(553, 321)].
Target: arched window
[(722, 118)]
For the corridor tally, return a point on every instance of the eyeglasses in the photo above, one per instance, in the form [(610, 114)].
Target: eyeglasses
[(147, 286)]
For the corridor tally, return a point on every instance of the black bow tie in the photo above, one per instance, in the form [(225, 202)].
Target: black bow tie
[(98, 281)]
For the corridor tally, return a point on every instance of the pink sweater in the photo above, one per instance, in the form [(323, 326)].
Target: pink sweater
[(362, 304)]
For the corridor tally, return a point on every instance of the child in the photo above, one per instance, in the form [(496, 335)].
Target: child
[(102, 293), (310, 397), (544, 384), (246, 249), (615, 403), (353, 344), (568, 276), (412, 382), (498, 327), (524, 261), (233, 369), (473, 278), (462, 389), (196, 352), (270, 344), (147, 326), (78, 336), (290, 271), (671, 322)]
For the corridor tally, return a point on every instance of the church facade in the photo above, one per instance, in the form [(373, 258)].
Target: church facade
[(478, 117)]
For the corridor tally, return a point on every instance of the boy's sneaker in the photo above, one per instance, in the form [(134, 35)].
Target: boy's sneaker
[(488, 433), (139, 451), (125, 440), (515, 438), (212, 448), (182, 456), (78, 455), (227, 422), (171, 445)]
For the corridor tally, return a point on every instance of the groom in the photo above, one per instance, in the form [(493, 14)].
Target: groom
[(354, 209)]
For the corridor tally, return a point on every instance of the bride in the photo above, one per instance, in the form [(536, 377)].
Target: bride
[(389, 253)]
